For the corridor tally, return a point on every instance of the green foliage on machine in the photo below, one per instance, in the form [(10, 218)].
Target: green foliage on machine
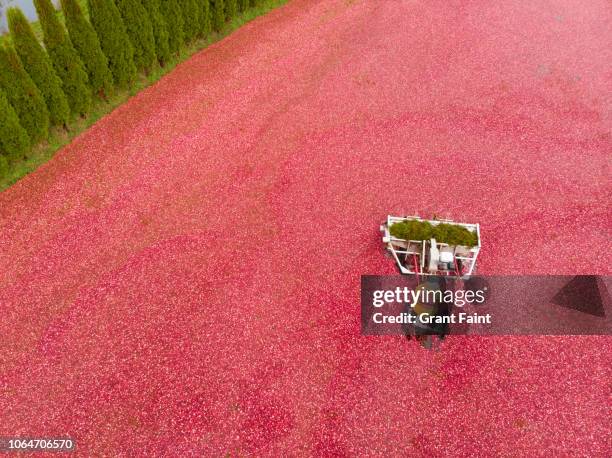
[(451, 234)]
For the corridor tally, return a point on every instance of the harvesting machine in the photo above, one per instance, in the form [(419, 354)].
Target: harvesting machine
[(428, 256)]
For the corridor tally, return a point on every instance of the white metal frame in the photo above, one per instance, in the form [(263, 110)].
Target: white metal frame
[(400, 246)]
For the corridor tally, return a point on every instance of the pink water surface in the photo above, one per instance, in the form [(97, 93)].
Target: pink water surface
[(183, 279)]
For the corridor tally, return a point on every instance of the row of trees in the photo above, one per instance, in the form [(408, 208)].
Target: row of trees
[(48, 84)]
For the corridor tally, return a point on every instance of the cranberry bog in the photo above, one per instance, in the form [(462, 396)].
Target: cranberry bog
[(176, 280)]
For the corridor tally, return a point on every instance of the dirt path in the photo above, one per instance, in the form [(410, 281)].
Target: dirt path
[(184, 277)]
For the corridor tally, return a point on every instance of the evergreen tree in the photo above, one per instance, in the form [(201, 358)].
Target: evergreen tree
[(231, 7), (23, 95), (14, 140), (140, 31), (4, 166), (218, 15), (38, 65), (86, 43), (191, 19), (160, 30), (205, 18), (66, 61), (115, 43), (171, 9)]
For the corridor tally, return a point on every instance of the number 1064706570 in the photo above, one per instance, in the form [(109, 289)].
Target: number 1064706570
[(23, 444)]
